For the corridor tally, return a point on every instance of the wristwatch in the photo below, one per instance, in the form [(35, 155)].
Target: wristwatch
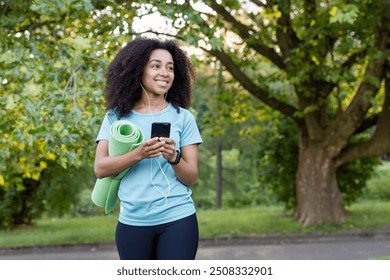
[(177, 159)]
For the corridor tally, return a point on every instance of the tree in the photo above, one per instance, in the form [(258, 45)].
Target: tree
[(322, 64), (243, 126), (52, 58), (330, 75)]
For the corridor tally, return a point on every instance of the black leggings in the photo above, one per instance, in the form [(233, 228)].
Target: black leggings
[(177, 240)]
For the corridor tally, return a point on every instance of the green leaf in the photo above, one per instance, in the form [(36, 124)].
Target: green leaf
[(345, 14), (10, 103), (9, 57), (58, 126)]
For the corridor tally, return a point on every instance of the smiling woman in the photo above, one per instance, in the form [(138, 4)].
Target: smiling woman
[(158, 75), (149, 81)]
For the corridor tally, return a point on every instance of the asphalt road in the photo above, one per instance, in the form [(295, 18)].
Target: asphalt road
[(351, 246)]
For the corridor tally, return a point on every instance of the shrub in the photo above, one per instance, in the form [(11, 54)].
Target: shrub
[(378, 186)]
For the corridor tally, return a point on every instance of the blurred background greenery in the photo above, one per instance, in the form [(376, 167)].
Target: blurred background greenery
[(52, 61)]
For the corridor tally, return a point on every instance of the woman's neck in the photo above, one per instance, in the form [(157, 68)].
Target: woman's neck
[(150, 104)]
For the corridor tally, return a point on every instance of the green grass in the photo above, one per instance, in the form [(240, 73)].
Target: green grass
[(62, 231), (364, 216), (212, 223)]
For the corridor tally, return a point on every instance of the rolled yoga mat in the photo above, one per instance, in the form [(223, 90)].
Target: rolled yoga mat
[(124, 137)]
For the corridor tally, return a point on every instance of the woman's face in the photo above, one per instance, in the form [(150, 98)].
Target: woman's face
[(158, 74)]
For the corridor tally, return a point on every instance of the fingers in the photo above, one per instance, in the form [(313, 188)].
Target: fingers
[(170, 148), (169, 143), (152, 148), (156, 147), (166, 140)]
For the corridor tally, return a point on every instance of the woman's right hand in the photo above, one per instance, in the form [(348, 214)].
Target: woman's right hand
[(106, 165)]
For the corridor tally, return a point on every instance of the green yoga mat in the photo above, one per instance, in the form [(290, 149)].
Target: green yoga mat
[(124, 137)]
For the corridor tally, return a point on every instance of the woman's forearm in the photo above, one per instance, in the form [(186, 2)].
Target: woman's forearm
[(106, 165), (187, 168)]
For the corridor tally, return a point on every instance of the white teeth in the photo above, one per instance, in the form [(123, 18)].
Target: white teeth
[(162, 83)]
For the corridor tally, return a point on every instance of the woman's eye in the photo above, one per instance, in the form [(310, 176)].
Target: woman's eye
[(155, 66)]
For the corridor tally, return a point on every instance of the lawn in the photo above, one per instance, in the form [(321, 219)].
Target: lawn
[(363, 216)]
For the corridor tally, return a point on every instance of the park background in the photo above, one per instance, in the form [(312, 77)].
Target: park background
[(292, 99)]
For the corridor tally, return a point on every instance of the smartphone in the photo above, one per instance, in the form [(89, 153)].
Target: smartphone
[(161, 129)]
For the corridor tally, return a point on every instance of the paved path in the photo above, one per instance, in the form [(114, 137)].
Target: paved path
[(314, 251), (358, 246)]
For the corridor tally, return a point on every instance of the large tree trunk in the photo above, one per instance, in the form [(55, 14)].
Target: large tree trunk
[(318, 196)]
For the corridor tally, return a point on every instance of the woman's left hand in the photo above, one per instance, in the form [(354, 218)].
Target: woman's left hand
[(169, 152)]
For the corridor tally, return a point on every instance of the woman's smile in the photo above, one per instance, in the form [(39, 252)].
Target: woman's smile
[(159, 72)]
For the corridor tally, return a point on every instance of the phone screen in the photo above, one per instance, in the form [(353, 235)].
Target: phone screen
[(161, 129)]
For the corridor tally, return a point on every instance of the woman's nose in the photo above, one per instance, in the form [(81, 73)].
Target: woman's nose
[(163, 71)]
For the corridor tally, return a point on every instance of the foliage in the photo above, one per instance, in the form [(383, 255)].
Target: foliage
[(59, 188), (310, 62), (353, 178), (322, 64), (82, 206), (228, 113), (278, 160), (56, 191), (260, 155), (378, 186), (52, 58)]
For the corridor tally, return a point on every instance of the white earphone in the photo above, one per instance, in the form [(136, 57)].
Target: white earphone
[(158, 161)]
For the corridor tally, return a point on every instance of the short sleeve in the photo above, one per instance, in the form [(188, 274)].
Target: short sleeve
[(104, 131), (190, 134)]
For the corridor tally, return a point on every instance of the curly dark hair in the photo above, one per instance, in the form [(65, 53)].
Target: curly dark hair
[(123, 75)]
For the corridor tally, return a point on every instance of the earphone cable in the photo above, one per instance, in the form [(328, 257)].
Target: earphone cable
[(158, 161)]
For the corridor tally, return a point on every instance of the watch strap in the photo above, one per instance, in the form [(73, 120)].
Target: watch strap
[(177, 159)]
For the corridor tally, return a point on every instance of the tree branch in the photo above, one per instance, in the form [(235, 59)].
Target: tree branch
[(367, 123), (351, 119), (310, 11), (379, 143), (256, 91), (246, 34), (259, 3), (285, 35), (352, 59)]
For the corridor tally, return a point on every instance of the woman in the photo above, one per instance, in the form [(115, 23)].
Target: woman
[(150, 81)]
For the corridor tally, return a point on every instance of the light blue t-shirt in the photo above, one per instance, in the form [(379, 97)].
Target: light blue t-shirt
[(150, 192)]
